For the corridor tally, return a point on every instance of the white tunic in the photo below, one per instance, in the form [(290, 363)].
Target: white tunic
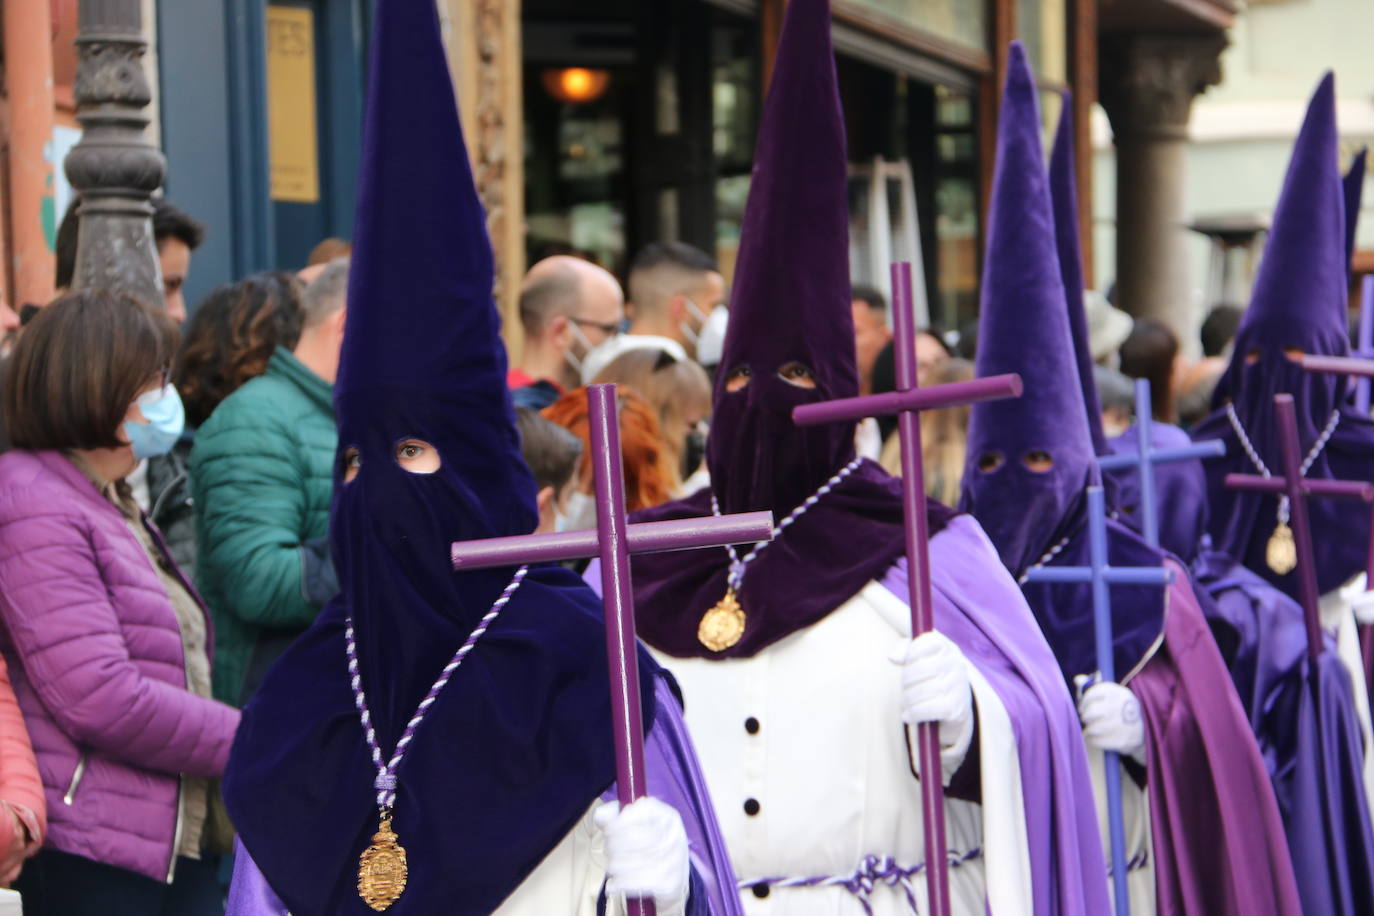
[(810, 770), (1338, 618)]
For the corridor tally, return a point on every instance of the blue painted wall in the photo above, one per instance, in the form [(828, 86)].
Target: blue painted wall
[(214, 132)]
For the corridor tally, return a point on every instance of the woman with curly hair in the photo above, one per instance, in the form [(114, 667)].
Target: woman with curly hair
[(649, 472), (228, 341)]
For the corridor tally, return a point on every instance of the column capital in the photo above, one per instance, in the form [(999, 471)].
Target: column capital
[(1148, 81)]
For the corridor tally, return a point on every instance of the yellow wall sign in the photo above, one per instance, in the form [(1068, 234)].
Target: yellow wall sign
[(293, 145)]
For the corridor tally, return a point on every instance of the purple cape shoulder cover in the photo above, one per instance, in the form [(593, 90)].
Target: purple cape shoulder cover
[(1218, 837), (674, 777)]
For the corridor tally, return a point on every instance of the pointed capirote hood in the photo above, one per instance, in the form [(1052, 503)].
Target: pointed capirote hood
[(1024, 328), (1064, 194), (423, 331), (423, 378), (1298, 306), (791, 293)]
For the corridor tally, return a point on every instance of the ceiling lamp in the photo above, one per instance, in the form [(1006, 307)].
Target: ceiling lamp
[(576, 85)]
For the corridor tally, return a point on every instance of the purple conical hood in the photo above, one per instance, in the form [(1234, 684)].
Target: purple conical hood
[(1064, 193), (1024, 327), (790, 302), (1300, 289), (1299, 303)]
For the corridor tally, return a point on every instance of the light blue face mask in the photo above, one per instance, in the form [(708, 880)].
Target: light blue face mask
[(166, 419)]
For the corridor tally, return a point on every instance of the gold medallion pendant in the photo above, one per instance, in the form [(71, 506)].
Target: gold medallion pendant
[(723, 625), (382, 868), (1282, 554)]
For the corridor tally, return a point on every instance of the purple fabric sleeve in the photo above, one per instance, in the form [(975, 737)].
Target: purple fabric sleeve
[(249, 894), (986, 616)]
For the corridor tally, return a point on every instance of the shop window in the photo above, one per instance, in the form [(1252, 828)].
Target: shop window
[(963, 22)]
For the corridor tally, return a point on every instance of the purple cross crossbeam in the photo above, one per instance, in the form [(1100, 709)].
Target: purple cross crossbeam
[(907, 402), (1103, 575), (1147, 456), (1298, 490), (613, 541)]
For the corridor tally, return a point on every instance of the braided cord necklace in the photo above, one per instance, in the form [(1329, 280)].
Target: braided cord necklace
[(1281, 553), (723, 625), (382, 869)]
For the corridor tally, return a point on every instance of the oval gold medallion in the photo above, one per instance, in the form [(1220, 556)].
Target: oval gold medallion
[(382, 870), (1282, 553), (723, 625)]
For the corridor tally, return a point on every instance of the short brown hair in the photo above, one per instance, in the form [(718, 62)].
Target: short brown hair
[(78, 366)]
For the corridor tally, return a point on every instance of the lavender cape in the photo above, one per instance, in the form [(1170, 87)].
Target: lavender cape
[(674, 778), (1068, 873), (1308, 732)]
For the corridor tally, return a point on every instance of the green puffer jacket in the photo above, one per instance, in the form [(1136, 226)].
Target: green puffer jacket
[(262, 477)]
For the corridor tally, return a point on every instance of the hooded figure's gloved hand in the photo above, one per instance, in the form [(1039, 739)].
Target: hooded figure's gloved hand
[(935, 688), (646, 854), (1111, 717), (1361, 601)]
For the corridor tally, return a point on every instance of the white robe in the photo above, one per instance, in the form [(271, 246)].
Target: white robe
[(1338, 617), (830, 770)]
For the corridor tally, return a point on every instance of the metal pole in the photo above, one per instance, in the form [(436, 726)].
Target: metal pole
[(114, 168)]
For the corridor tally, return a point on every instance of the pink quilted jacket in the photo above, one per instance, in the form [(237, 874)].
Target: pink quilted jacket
[(96, 661)]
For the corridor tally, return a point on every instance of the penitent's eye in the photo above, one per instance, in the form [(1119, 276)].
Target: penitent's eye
[(1038, 461), (798, 374), (352, 463), (1252, 357), (990, 461), (738, 379), (417, 456)]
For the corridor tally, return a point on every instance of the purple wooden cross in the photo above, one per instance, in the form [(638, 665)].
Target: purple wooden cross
[(1147, 456), (907, 402), (1298, 489), (613, 541)]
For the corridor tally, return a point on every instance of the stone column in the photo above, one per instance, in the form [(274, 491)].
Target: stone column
[(114, 168), (482, 38), (1147, 84)]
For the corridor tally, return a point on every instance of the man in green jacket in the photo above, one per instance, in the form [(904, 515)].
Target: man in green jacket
[(262, 476)]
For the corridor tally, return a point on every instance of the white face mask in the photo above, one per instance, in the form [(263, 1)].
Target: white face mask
[(580, 514), (711, 340)]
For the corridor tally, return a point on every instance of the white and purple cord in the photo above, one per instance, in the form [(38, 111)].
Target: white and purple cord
[(737, 565), (1307, 463), (386, 772)]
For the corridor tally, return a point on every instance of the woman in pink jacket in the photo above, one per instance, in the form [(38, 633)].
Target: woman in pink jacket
[(109, 646)]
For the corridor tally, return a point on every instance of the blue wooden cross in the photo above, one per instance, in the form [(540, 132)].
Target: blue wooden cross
[(1103, 575), (1147, 456), (1364, 342)]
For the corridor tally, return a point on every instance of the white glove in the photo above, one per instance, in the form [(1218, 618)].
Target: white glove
[(1363, 606), (646, 854), (1111, 718), (935, 688)]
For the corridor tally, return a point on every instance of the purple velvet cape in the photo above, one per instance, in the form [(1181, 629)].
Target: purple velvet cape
[(1308, 733), (857, 529), (1218, 837), (674, 777), (1001, 638)]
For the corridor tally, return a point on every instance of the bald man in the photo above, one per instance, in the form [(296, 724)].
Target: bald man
[(568, 306)]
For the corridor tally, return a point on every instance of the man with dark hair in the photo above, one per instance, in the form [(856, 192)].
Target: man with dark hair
[(1219, 329), (871, 331), (568, 306), (176, 236)]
